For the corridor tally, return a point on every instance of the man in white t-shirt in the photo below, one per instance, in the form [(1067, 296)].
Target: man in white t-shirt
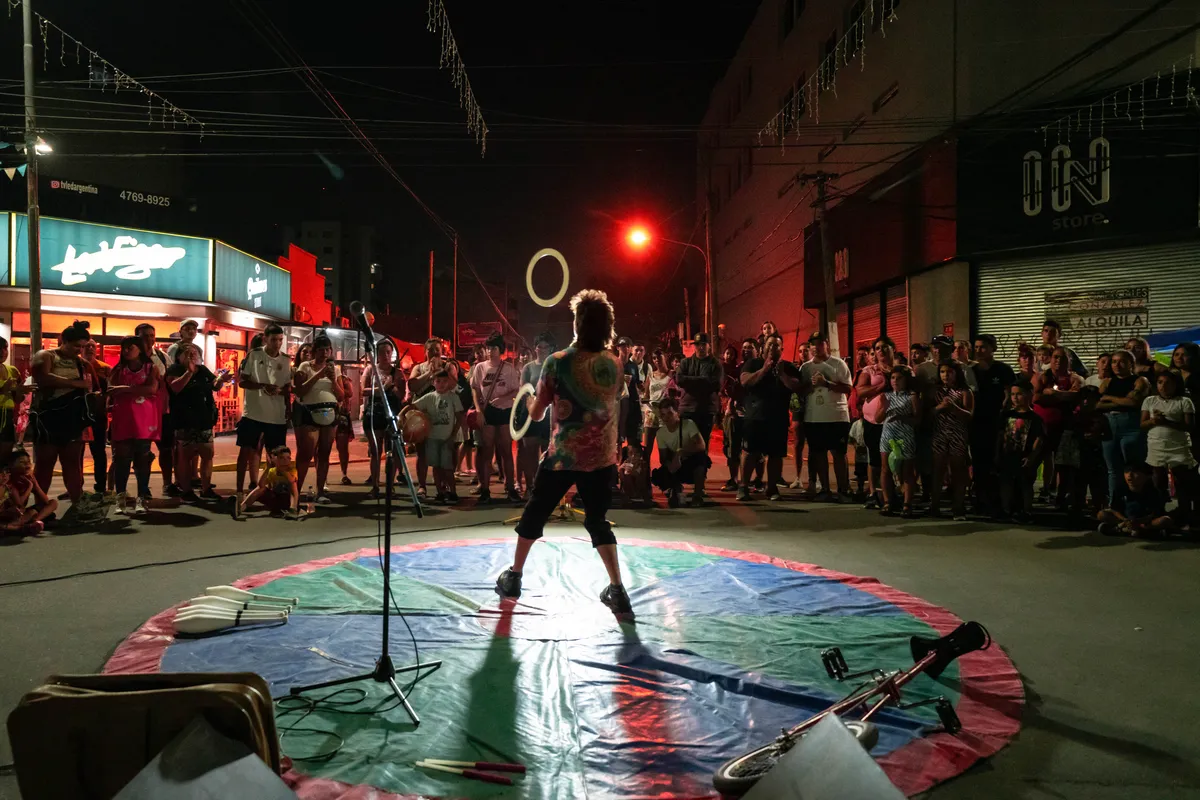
[(683, 454), (264, 376), (827, 383)]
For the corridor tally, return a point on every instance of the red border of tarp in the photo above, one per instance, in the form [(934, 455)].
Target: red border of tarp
[(989, 704)]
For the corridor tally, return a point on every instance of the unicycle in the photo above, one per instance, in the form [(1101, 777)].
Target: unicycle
[(880, 689)]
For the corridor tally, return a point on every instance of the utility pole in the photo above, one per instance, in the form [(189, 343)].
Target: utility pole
[(430, 336), (33, 228), (454, 303), (820, 179), (687, 316), (710, 287)]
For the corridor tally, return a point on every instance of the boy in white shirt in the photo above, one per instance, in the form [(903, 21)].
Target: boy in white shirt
[(446, 415)]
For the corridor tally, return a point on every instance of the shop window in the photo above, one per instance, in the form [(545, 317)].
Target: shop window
[(853, 126), (121, 326), (885, 97), (827, 61), (54, 324), (790, 11), (881, 11), (854, 24)]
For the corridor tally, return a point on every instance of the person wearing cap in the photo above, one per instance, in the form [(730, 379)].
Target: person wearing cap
[(188, 329), (1051, 333), (827, 382), (993, 379), (495, 383), (699, 377)]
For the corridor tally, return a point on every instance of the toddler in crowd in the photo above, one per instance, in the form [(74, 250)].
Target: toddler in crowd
[(277, 489), (17, 485)]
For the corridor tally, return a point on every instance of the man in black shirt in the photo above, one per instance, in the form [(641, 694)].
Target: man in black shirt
[(993, 379), (700, 376), (769, 383)]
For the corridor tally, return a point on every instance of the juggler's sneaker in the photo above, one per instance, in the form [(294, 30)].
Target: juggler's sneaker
[(615, 597), (509, 584)]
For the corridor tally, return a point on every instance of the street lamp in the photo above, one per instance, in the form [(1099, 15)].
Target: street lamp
[(640, 238)]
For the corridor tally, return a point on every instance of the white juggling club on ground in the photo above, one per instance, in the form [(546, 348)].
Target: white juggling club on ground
[(236, 605), (233, 593), (206, 620)]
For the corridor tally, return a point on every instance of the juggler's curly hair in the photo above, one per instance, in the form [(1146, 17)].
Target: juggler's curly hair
[(594, 320)]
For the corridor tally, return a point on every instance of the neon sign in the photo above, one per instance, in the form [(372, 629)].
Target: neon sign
[(132, 261)]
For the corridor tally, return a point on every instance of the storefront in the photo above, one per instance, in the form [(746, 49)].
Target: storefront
[(118, 278), (1095, 228)]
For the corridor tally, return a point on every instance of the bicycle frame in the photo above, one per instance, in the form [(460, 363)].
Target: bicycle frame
[(886, 686)]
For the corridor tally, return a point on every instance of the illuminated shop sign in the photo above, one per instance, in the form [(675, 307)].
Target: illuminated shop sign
[(99, 259), (244, 281)]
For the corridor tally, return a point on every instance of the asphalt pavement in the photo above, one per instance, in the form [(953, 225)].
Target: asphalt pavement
[(1104, 631)]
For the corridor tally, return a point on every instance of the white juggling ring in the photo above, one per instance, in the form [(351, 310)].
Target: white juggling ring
[(538, 256), (525, 391)]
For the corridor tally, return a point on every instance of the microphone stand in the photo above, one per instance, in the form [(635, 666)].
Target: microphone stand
[(385, 670)]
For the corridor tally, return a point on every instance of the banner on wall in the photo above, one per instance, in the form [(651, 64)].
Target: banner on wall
[(101, 259), (243, 281)]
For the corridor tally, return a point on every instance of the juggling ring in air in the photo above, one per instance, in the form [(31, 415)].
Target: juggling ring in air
[(517, 433), (538, 256)]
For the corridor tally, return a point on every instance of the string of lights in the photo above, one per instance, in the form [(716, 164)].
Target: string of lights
[(852, 44), (103, 73), (439, 22), (1177, 85)]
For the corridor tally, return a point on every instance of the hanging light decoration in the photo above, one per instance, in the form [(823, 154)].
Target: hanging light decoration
[(438, 22)]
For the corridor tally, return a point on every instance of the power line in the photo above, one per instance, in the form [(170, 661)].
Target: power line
[(289, 56)]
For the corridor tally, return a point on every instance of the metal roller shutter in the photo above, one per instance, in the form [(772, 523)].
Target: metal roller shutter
[(897, 318), (1101, 299), (866, 320)]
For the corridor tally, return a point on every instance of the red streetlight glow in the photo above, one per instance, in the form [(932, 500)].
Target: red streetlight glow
[(639, 237)]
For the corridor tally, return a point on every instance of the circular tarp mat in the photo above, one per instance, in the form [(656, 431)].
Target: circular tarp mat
[(724, 651)]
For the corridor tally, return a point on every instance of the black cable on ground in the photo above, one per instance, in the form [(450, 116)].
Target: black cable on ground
[(233, 554)]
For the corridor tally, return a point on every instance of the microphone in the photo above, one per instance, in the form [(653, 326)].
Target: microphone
[(358, 314)]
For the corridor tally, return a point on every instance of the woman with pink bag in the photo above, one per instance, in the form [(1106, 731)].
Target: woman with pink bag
[(870, 387)]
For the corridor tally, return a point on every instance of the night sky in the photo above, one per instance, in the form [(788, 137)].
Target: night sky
[(592, 109)]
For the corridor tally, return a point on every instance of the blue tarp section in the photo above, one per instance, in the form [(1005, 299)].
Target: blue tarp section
[(723, 654)]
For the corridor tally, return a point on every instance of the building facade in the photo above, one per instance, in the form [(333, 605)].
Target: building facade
[(914, 119)]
